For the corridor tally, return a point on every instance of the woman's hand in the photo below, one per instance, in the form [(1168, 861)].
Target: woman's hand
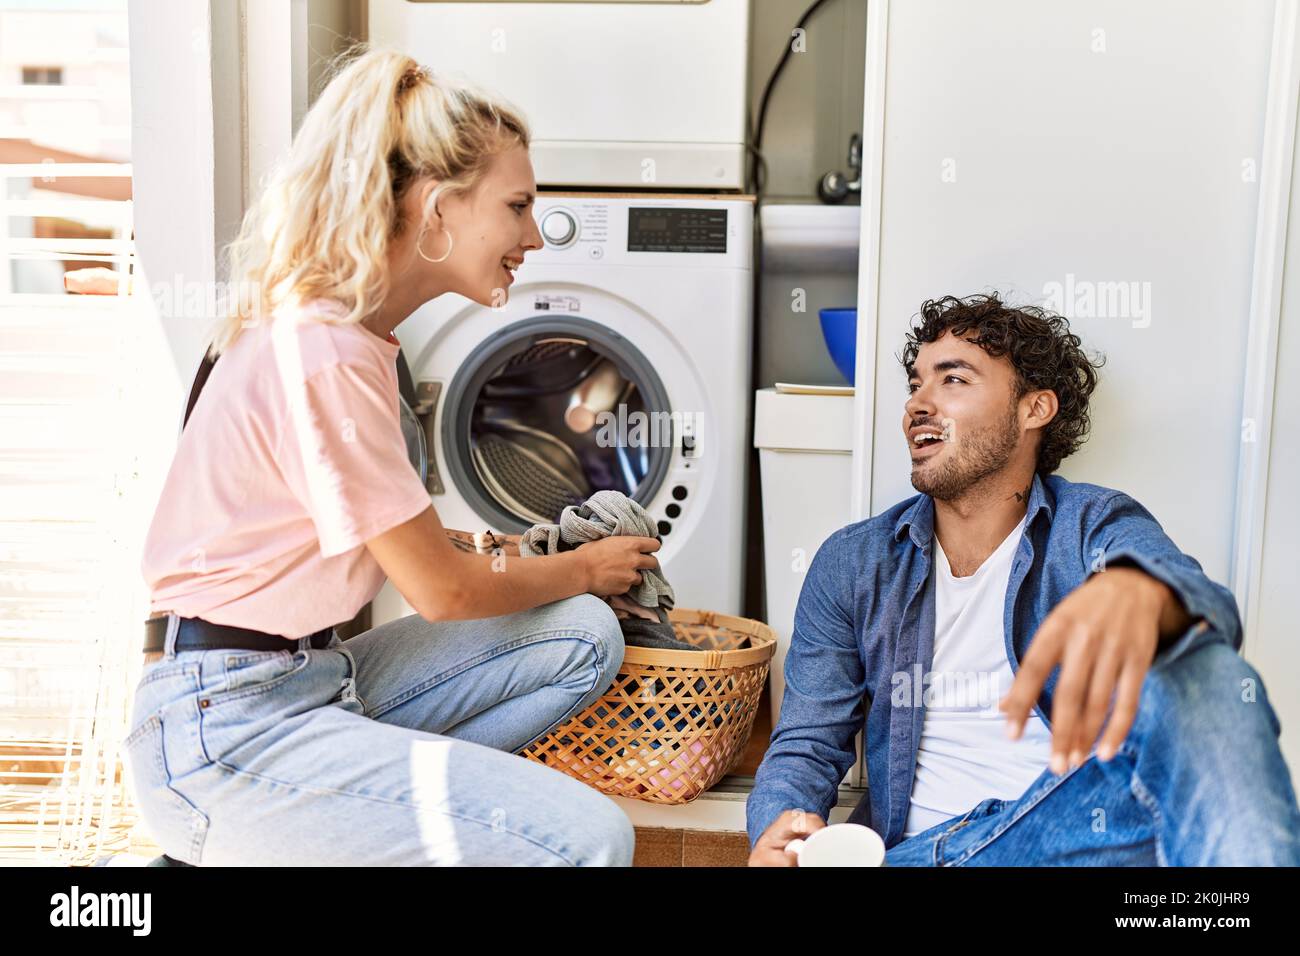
[(430, 567), (613, 565)]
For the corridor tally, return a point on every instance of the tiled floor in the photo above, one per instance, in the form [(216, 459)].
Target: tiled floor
[(658, 846)]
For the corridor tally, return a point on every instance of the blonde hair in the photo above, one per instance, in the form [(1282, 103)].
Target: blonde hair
[(323, 223)]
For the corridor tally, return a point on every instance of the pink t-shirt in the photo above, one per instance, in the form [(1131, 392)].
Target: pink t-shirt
[(293, 457)]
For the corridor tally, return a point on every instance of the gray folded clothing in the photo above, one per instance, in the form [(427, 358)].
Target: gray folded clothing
[(604, 514)]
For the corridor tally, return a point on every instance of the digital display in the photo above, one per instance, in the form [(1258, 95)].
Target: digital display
[(656, 229)]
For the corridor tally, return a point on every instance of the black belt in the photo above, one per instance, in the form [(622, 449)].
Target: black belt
[(196, 634)]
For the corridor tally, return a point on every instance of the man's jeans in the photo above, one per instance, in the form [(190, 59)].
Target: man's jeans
[(393, 748), (1199, 781)]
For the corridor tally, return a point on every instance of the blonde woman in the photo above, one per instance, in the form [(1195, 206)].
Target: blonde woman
[(259, 737)]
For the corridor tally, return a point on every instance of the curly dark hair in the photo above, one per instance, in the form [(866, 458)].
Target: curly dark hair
[(1043, 352)]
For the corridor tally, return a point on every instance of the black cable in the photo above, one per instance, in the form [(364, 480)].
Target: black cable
[(756, 137)]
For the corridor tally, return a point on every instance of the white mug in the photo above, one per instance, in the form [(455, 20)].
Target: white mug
[(840, 844)]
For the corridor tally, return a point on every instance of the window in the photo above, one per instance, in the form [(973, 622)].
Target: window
[(42, 75), (69, 611)]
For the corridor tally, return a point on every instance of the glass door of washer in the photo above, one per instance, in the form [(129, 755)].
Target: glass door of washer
[(550, 410)]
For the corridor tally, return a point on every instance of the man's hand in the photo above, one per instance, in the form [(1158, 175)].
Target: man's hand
[(1104, 635), (769, 849)]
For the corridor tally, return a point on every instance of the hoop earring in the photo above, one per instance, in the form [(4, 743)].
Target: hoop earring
[(421, 251)]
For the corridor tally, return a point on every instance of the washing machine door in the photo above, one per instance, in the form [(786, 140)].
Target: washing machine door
[(549, 410)]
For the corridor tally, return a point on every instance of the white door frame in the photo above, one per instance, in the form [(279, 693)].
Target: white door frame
[(873, 158), (1275, 177)]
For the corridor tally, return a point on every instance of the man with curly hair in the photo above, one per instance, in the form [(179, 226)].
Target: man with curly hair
[(1043, 676)]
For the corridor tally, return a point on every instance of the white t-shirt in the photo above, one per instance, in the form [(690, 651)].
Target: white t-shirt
[(964, 755)]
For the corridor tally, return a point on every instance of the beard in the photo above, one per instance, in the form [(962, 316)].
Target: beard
[(975, 455)]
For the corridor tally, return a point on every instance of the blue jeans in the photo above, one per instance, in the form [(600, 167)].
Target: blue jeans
[(396, 747), (1199, 781)]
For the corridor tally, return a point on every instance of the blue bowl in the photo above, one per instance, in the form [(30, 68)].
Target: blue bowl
[(840, 330)]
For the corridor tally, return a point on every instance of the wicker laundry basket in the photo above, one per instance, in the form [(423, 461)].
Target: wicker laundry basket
[(673, 723)]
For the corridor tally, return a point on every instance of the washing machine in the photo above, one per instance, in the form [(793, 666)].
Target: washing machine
[(621, 360)]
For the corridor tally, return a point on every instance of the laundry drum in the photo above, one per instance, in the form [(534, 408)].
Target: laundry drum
[(548, 411)]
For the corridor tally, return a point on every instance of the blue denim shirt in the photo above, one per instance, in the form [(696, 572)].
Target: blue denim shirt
[(866, 614)]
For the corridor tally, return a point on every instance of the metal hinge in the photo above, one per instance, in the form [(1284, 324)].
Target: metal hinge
[(425, 408)]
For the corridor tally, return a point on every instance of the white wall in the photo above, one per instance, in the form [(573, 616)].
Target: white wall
[(174, 188), (1115, 166)]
